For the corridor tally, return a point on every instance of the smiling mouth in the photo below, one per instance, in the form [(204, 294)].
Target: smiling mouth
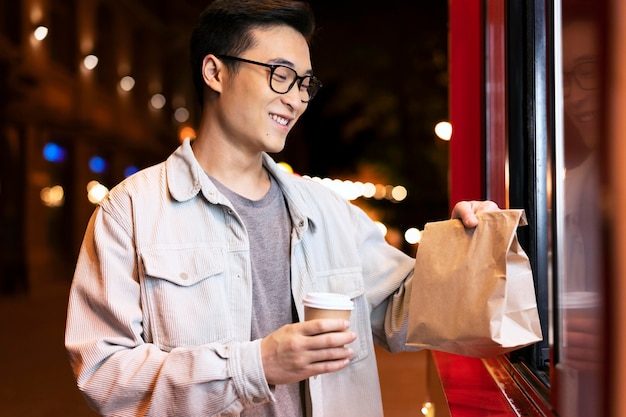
[(586, 117), (279, 120)]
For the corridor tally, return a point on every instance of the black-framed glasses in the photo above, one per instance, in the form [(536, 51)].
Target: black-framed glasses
[(586, 75), (283, 78)]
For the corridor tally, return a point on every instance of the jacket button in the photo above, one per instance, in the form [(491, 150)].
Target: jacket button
[(183, 275)]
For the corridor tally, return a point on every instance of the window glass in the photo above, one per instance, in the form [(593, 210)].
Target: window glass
[(579, 279), (529, 109)]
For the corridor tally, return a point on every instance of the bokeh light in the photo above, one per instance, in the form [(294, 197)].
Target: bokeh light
[(96, 192), (127, 83), (98, 165), (40, 33), (90, 62), (130, 170), (381, 227), (285, 167), (52, 152), (181, 115), (399, 193), (443, 130), (186, 132), (157, 101), (412, 235), (52, 196)]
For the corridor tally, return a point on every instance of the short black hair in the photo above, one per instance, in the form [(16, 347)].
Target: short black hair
[(224, 29)]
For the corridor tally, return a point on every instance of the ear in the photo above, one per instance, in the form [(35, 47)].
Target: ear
[(211, 72)]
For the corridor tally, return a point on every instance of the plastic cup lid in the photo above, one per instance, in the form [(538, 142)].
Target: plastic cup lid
[(328, 301)]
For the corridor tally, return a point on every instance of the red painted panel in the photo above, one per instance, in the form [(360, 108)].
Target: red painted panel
[(496, 114), (466, 54), (469, 387)]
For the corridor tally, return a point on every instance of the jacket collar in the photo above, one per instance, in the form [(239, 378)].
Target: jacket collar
[(186, 178)]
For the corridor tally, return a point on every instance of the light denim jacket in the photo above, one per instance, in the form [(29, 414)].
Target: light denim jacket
[(160, 306)]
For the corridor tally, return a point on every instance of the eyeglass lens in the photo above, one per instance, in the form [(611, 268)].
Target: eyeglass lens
[(586, 76), (283, 78)]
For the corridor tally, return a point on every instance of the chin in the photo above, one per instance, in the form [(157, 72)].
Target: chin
[(591, 140), (275, 148)]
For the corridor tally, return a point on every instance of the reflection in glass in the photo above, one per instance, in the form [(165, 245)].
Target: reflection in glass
[(580, 284)]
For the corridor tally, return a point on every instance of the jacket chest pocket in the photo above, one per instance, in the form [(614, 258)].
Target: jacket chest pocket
[(185, 296), (350, 283)]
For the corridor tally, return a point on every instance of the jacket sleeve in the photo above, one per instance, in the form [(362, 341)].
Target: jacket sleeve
[(388, 277), (117, 370)]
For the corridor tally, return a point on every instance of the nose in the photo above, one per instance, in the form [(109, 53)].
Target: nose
[(292, 98)]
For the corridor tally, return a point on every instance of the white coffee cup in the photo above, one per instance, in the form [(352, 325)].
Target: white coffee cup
[(581, 313), (322, 305)]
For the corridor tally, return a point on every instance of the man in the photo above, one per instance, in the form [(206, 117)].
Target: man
[(579, 369), (187, 295)]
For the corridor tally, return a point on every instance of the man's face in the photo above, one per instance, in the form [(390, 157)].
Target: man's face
[(580, 60), (254, 116)]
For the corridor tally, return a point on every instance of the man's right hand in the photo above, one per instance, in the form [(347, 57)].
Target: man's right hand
[(301, 350)]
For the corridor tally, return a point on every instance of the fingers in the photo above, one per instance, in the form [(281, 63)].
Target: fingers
[(313, 327), (298, 351), (581, 356), (483, 206), (467, 210), (583, 340), (589, 324), (326, 334), (583, 349), (317, 360), (330, 365), (464, 210), (329, 340)]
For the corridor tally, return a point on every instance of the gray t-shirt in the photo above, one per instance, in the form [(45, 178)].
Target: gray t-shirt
[(269, 226)]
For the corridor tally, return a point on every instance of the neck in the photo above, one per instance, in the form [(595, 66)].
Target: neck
[(241, 172)]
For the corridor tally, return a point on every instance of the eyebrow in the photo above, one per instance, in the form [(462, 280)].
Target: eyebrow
[(287, 63)]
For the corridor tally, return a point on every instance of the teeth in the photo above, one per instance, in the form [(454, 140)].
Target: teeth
[(279, 119)]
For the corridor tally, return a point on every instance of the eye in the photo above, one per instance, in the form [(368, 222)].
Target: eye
[(283, 74), (305, 84), (587, 70)]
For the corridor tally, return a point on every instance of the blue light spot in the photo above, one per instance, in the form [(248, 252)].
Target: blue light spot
[(130, 170), (53, 152), (98, 165)]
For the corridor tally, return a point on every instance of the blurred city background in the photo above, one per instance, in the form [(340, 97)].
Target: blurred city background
[(93, 90)]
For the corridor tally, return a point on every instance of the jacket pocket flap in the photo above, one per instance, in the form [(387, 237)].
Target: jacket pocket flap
[(184, 266), (348, 282)]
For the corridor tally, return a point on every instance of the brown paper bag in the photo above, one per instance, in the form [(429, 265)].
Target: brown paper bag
[(473, 292)]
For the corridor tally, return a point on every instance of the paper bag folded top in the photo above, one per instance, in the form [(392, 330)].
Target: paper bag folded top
[(473, 291)]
